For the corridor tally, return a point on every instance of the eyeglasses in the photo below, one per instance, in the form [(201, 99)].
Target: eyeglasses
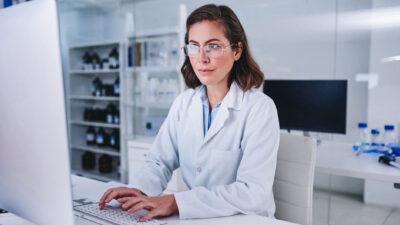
[(211, 50)]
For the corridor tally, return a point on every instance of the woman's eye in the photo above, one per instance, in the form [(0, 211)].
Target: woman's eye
[(192, 47), (214, 46)]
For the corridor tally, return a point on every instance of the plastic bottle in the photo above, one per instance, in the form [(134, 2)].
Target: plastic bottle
[(162, 91), (376, 141), (173, 52), (153, 85), (149, 92), (175, 88), (363, 138), (155, 88), (169, 90), (141, 86), (389, 137)]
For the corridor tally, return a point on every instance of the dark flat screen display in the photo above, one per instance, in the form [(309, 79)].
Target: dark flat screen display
[(310, 105)]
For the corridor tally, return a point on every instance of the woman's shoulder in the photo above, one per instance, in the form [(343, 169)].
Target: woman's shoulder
[(185, 97), (255, 97)]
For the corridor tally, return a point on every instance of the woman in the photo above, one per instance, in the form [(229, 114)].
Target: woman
[(222, 133)]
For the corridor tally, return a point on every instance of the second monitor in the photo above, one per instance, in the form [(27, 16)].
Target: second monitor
[(310, 105)]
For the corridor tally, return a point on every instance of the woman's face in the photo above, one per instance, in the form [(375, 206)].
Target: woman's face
[(209, 69)]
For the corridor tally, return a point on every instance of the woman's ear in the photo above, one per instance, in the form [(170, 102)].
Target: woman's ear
[(238, 51)]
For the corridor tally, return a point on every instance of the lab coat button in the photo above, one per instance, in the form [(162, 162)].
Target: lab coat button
[(198, 169)]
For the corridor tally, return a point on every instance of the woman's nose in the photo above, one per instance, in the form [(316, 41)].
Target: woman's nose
[(203, 58)]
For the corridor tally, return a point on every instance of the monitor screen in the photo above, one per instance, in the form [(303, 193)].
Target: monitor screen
[(310, 105)]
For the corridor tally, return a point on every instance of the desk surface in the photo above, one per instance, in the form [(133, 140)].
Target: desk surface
[(92, 189), (339, 159)]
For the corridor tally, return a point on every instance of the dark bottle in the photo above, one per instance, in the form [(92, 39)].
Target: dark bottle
[(105, 64), (86, 61), (96, 61), (114, 59), (88, 161), (105, 164), (116, 87), (107, 90), (114, 139), (100, 137), (103, 115), (90, 136), (111, 110), (116, 116), (96, 87), (96, 114), (88, 114)]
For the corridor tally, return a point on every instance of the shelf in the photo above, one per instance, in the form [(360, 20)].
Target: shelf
[(158, 105), (155, 105), (156, 32), (152, 69), (103, 150), (94, 71), (94, 124), (95, 44), (94, 98), (94, 174)]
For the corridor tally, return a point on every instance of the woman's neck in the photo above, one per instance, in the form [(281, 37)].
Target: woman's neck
[(216, 94)]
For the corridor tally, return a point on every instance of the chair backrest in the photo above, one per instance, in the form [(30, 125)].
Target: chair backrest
[(294, 177)]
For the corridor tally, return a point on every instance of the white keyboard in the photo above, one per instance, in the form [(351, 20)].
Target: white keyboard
[(116, 215)]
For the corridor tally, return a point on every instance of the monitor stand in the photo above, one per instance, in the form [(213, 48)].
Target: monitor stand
[(307, 134)]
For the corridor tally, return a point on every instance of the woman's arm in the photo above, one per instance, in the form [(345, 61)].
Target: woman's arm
[(162, 159)]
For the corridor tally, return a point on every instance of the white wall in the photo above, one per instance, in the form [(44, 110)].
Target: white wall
[(384, 106)]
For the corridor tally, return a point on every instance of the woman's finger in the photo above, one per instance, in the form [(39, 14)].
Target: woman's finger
[(131, 203), (105, 195), (139, 206), (118, 193), (150, 215)]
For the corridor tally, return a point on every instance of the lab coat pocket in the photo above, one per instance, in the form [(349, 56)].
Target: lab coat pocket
[(224, 165)]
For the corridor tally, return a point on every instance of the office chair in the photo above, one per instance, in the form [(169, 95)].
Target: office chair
[(294, 177)]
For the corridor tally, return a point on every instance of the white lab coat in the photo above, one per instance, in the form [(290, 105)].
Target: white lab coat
[(231, 169)]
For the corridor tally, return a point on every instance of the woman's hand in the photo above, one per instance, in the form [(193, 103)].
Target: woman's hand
[(158, 206), (116, 193)]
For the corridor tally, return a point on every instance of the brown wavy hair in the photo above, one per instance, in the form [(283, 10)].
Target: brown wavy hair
[(245, 71)]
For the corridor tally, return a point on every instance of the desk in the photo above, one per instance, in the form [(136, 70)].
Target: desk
[(339, 159), (93, 190)]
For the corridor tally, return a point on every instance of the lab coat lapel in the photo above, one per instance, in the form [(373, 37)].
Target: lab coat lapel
[(222, 116), (232, 100), (196, 118)]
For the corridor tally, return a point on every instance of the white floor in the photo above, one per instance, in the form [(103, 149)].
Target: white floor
[(347, 209)]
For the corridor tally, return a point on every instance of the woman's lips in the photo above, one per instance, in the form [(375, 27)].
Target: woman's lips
[(205, 71)]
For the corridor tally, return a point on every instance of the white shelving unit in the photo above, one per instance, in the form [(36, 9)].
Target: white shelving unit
[(79, 96), (159, 51)]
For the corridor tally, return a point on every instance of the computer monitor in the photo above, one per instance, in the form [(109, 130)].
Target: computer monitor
[(310, 105), (34, 159)]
